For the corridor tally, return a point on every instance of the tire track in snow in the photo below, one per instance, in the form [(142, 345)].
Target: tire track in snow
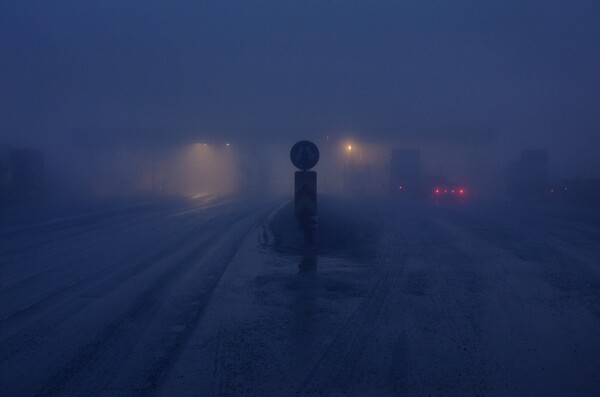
[(104, 280), (562, 263), (143, 307), (87, 222), (161, 368), (49, 256), (335, 370), (455, 285), (102, 350)]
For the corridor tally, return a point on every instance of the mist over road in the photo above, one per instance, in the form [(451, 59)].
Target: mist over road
[(212, 296)]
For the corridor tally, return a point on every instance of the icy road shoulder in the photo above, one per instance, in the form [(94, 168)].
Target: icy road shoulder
[(408, 300)]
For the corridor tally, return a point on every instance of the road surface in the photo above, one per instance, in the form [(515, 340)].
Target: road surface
[(216, 297)]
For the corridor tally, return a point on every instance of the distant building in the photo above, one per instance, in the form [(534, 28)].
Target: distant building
[(528, 175)]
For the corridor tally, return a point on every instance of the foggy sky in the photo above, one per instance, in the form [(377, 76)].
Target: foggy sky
[(475, 72)]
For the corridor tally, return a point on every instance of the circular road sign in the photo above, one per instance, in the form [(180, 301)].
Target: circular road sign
[(304, 155)]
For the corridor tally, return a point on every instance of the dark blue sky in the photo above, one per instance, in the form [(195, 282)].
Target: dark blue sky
[(463, 71)]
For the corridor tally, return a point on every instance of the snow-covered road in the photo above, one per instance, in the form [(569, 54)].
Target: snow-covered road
[(219, 297)]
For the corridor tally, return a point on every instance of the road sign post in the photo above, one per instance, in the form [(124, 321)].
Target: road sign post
[(305, 196), (305, 155)]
